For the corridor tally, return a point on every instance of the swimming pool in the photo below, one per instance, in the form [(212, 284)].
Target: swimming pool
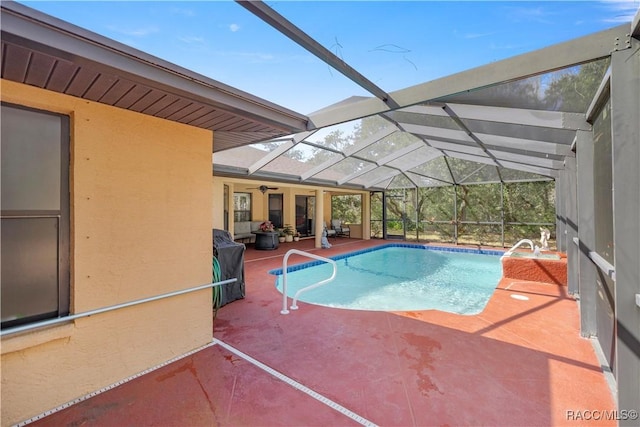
[(401, 277)]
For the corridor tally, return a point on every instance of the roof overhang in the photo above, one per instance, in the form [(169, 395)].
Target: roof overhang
[(51, 54)]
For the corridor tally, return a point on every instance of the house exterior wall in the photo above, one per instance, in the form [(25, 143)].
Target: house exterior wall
[(218, 204), (140, 226), (260, 207)]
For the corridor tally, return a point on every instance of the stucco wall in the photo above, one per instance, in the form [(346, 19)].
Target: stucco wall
[(140, 226), (260, 208), (218, 203)]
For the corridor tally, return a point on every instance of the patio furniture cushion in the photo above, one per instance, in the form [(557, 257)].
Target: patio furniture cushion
[(341, 230), (330, 232), (242, 230)]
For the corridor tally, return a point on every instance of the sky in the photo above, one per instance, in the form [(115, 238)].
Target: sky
[(395, 44)]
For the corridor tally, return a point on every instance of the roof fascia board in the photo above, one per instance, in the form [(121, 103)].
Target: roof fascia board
[(226, 170), (561, 55), (29, 28), (287, 28)]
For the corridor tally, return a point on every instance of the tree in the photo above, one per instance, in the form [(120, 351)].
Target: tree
[(574, 89)]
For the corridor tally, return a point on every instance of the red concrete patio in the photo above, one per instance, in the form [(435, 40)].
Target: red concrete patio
[(519, 362)]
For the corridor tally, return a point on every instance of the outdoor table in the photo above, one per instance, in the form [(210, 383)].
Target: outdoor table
[(266, 240)]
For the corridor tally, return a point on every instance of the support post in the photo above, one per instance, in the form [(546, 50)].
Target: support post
[(571, 220), (586, 234), (625, 126)]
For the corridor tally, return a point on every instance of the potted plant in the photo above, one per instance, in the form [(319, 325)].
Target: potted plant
[(296, 237), (281, 235), (266, 226), (289, 231)]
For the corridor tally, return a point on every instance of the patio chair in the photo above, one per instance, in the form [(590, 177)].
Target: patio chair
[(340, 229), (330, 232)]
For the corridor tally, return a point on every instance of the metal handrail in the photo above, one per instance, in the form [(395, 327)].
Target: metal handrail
[(520, 243), (294, 306), (57, 320)]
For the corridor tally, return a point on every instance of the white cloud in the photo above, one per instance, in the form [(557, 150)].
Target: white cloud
[(624, 10), (234, 27), (622, 4)]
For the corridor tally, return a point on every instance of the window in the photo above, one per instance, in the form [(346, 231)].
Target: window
[(35, 215), (226, 207), (276, 204), (241, 207), (347, 208)]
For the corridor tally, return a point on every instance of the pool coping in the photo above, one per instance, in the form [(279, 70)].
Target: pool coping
[(301, 266)]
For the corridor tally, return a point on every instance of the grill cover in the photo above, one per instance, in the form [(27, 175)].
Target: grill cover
[(231, 260)]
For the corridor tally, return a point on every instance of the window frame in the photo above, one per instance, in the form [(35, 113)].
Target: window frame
[(245, 213), (63, 215)]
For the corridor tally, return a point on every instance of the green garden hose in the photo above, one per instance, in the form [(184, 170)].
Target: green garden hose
[(217, 292)]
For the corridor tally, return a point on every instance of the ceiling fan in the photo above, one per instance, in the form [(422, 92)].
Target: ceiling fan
[(263, 188)]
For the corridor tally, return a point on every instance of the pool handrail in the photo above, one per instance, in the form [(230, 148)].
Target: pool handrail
[(294, 305), (520, 243)]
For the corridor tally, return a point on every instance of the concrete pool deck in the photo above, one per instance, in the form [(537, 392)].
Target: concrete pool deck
[(519, 362)]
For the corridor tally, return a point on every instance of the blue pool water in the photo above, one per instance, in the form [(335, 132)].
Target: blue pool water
[(401, 278)]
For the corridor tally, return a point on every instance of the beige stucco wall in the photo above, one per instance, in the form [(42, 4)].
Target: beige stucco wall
[(218, 204), (141, 225)]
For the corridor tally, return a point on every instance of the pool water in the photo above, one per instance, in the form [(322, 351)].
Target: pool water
[(401, 279)]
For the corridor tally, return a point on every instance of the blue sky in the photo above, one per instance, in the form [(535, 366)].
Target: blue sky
[(394, 44)]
